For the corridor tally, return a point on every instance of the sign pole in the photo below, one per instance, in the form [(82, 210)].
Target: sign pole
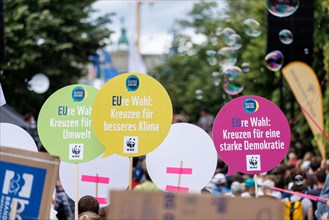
[(180, 175), (256, 186), (76, 196), (96, 185), (130, 172)]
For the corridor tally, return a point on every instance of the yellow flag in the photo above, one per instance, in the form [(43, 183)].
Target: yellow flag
[(306, 88)]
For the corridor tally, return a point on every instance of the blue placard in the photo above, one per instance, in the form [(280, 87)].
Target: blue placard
[(23, 183)]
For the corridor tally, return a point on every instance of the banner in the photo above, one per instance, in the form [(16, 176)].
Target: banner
[(27, 179), (306, 88), (161, 205)]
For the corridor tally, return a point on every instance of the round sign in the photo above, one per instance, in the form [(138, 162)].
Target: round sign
[(185, 161), (251, 135), (64, 124), (16, 137), (132, 114), (96, 177)]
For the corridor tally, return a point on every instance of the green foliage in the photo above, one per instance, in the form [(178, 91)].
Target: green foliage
[(321, 61), (189, 70), (51, 37)]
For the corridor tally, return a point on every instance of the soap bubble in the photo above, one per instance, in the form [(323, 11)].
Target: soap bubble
[(216, 74), (211, 57), (274, 60), (285, 36), (40, 41), (306, 51), (282, 8), (230, 85), (251, 27), (227, 32), (226, 57), (245, 67), (232, 73), (232, 88), (219, 31), (39, 83), (216, 82), (235, 41), (198, 94)]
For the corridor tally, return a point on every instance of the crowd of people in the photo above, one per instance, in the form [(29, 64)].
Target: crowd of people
[(302, 177), (293, 180)]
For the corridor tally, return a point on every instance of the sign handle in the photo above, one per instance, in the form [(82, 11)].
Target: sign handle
[(256, 185), (96, 185), (13, 209), (130, 172), (76, 196), (180, 175)]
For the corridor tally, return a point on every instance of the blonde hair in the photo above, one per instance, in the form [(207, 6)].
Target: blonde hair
[(89, 216)]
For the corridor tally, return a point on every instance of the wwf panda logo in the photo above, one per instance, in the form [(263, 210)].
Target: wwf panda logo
[(253, 161), (130, 142), (76, 150)]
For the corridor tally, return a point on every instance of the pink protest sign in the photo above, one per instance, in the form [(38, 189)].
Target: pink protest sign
[(251, 134)]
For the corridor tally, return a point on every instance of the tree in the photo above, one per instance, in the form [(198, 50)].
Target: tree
[(189, 70), (47, 36)]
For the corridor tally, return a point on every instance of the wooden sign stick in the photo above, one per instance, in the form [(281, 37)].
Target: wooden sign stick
[(256, 185), (96, 185), (180, 175), (76, 195), (130, 172)]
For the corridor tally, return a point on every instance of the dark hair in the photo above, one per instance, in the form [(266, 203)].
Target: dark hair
[(88, 203), (315, 163), (320, 175), (298, 177)]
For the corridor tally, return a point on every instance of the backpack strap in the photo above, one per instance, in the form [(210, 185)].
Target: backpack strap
[(292, 206)]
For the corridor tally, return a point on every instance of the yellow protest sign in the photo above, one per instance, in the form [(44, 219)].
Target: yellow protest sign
[(132, 114)]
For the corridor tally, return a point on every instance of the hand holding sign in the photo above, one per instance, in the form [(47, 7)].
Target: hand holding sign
[(251, 135)]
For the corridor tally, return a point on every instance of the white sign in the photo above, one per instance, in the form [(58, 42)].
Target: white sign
[(185, 161), (99, 174), (14, 136)]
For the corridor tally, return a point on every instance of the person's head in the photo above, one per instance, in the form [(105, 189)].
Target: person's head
[(103, 212), (236, 188), (88, 203), (29, 117), (292, 158), (204, 111), (298, 180), (266, 186), (89, 216), (219, 179), (320, 176), (249, 185), (315, 163)]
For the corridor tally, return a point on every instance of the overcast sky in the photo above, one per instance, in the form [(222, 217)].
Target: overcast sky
[(156, 20)]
